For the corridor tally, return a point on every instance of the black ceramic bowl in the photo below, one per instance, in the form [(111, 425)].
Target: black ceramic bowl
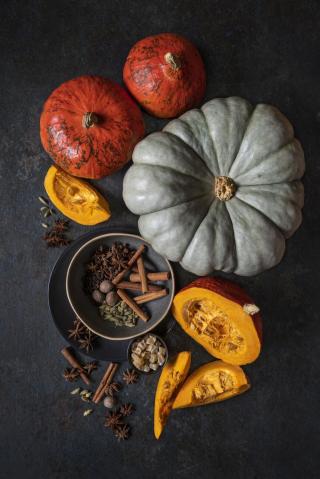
[(88, 312), (151, 371)]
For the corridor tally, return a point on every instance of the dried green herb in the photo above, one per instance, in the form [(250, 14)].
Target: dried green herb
[(120, 314)]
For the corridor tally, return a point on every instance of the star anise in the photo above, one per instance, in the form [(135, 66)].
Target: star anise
[(60, 225), (77, 331), (113, 420), (122, 432), (127, 409), (112, 389), (55, 240), (90, 367), (130, 376), (86, 342), (71, 374)]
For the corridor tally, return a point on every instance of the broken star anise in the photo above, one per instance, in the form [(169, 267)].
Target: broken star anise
[(122, 432), (130, 376), (127, 409), (112, 389), (71, 374), (90, 367), (113, 420)]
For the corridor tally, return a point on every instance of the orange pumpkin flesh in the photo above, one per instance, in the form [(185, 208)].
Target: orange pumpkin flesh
[(165, 74), (213, 382), (89, 126), (211, 311), (172, 377)]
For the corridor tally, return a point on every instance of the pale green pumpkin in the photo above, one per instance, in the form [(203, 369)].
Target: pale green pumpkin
[(218, 188)]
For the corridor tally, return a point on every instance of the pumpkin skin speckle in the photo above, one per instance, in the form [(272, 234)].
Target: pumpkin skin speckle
[(165, 74), (89, 126)]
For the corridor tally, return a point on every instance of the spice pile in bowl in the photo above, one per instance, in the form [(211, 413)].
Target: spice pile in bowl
[(112, 272)]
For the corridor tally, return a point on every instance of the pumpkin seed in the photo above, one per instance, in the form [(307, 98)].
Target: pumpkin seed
[(87, 412), (75, 391), (43, 200)]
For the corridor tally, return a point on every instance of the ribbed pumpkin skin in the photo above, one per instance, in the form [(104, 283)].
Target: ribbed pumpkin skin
[(178, 175), (99, 150), (231, 291), (162, 90)]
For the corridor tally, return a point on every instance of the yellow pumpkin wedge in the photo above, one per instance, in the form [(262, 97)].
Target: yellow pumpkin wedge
[(75, 198), (172, 377), (221, 317), (212, 382)]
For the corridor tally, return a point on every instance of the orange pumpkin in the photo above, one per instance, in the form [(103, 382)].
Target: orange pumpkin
[(89, 126), (220, 316), (165, 74)]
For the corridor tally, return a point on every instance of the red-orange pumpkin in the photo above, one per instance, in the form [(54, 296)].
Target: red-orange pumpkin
[(89, 126), (165, 74)]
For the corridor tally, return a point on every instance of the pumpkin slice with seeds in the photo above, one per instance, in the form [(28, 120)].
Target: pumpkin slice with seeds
[(212, 382), (220, 316)]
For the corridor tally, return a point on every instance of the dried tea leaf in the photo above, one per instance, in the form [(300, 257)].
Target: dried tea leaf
[(87, 412)]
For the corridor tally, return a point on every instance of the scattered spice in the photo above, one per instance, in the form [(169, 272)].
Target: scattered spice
[(112, 389), (130, 376), (84, 337), (105, 381), (127, 409), (87, 412), (122, 432), (109, 402), (113, 420), (90, 367), (72, 360), (71, 374), (75, 391)]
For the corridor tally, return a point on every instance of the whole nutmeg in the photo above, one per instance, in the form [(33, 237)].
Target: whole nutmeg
[(106, 286), (112, 298), (97, 296), (109, 402)]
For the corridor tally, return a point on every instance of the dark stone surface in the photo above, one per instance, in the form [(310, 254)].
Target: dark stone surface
[(262, 50)]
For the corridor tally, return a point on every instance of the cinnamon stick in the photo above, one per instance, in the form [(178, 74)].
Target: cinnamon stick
[(145, 298), (130, 302), (142, 274), (104, 383), (131, 262), (136, 286), (159, 276), (67, 353)]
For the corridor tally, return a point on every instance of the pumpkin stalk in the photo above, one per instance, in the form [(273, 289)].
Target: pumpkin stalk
[(89, 119), (224, 188), (173, 60)]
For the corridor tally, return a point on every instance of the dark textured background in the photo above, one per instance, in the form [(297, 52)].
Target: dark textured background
[(265, 51)]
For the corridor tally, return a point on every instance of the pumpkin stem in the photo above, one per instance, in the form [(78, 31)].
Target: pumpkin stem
[(173, 60), (224, 188), (89, 119)]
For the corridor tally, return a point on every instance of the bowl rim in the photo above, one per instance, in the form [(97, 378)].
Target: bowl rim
[(133, 340), (133, 336)]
